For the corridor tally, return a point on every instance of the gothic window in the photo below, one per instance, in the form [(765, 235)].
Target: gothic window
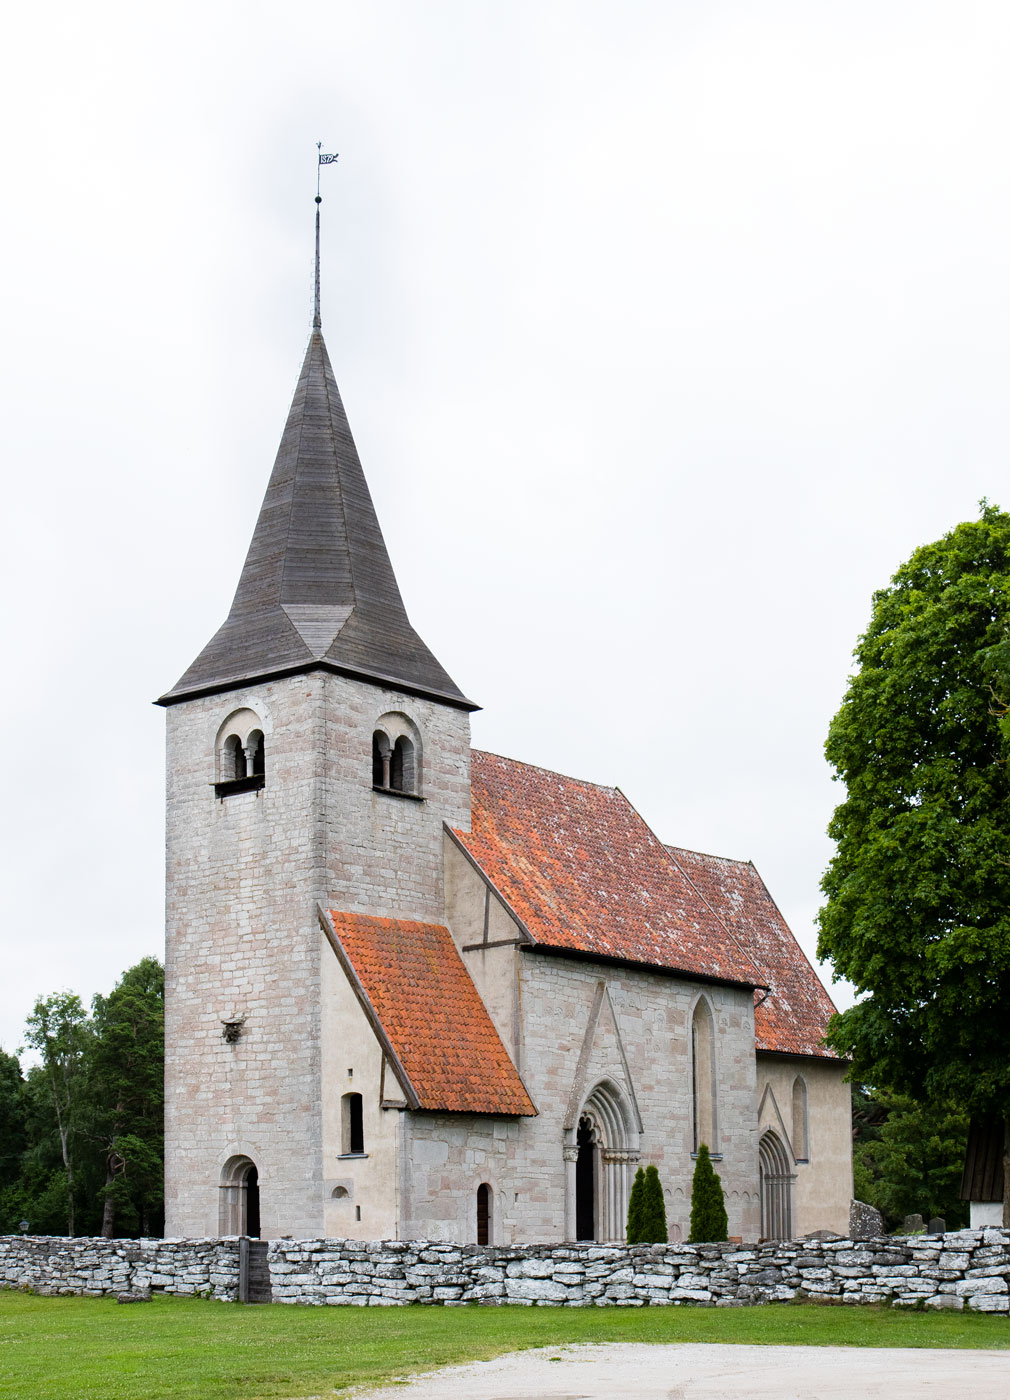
[(352, 1130), (241, 754), (703, 1076), (483, 1213), (801, 1145)]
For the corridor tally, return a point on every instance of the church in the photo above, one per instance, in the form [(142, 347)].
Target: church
[(418, 991)]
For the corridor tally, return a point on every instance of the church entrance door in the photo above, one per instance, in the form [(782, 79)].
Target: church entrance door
[(585, 1182)]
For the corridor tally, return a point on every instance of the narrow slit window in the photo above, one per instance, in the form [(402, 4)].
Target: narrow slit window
[(353, 1130)]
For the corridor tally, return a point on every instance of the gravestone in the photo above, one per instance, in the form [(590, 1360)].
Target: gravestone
[(913, 1225), (937, 1226), (865, 1222)]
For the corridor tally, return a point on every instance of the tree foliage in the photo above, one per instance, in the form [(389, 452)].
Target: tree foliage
[(918, 891), (653, 1228), (708, 1207), (81, 1134), (907, 1156), (635, 1208)]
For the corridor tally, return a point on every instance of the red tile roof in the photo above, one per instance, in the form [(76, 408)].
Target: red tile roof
[(426, 1011), (793, 1018), (583, 872)]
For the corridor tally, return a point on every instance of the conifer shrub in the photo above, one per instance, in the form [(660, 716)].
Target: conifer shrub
[(708, 1208), (635, 1208), (653, 1220)]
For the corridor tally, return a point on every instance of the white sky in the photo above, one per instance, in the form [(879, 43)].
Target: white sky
[(666, 331)]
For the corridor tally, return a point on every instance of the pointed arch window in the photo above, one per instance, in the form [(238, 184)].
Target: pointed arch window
[(801, 1127), (703, 1078)]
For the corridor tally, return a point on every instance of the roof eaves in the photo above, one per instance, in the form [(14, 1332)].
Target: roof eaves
[(333, 938), (660, 969), (175, 696)]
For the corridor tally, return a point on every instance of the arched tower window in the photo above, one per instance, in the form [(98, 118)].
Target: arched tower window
[(703, 1076), (241, 754), (255, 752), (801, 1142), (776, 1188), (396, 755), (234, 765), (352, 1127), (401, 774), (484, 1220), (381, 760)]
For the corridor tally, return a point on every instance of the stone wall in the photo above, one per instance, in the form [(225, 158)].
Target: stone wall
[(96, 1267), (966, 1269)]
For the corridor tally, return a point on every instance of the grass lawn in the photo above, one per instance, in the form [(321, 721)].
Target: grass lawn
[(79, 1348)]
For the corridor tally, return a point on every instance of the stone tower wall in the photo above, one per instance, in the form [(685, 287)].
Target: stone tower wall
[(244, 875)]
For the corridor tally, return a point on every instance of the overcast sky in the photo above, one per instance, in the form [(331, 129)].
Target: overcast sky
[(666, 331)]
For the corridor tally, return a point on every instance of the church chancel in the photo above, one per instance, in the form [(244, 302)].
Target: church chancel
[(415, 990)]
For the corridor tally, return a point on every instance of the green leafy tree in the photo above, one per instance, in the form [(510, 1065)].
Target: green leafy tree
[(708, 1207), (653, 1224), (13, 1134), (635, 1208), (918, 892), (907, 1157), (127, 1079), (58, 1029)]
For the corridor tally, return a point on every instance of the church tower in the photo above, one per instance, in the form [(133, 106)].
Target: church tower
[(315, 749)]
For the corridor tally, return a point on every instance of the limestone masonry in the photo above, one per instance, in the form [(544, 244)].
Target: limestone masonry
[(966, 1269), (417, 991)]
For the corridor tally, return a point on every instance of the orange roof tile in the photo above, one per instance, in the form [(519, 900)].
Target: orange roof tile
[(583, 872), (414, 988), (793, 1018)]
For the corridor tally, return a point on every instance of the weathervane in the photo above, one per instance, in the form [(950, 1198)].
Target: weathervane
[(323, 160)]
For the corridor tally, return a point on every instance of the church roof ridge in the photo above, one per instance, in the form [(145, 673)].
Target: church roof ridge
[(551, 772)]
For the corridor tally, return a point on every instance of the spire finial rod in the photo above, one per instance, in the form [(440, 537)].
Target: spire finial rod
[(321, 161)]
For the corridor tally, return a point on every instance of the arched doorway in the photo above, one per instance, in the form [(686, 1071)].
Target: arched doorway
[(601, 1146), (776, 1188), (239, 1212), (585, 1181)]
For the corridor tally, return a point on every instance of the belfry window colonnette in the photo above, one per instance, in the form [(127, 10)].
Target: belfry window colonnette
[(536, 993)]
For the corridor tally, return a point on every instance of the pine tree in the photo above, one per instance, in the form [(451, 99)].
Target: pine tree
[(708, 1209), (652, 1228), (635, 1208)]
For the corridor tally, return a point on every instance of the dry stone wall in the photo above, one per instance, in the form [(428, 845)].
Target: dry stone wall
[(97, 1267), (967, 1269)]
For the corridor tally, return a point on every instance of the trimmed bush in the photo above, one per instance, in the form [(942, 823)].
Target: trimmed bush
[(653, 1223), (635, 1208), (708, 1208)]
